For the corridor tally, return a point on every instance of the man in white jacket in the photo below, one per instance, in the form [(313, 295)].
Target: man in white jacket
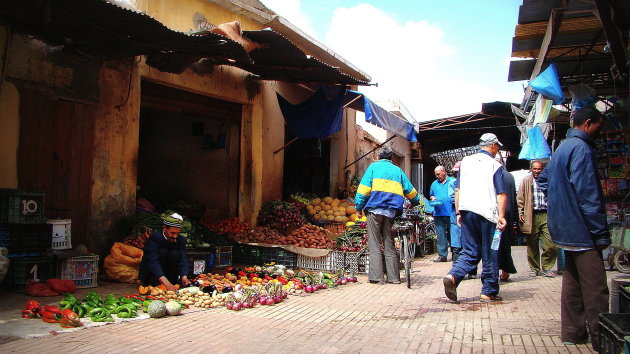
[(480, 200)]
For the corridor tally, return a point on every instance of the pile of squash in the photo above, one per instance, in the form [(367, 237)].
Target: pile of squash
[(331, 210), (159, 290)]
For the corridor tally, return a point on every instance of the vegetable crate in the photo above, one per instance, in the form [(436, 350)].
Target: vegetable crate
[(246, 254), (613, 328), (25, 240), (223, 256), (21, 269), (82, 270), (21, 206), (198, 262), (351, 262), (279, 255), (325, 263), (61, 235)]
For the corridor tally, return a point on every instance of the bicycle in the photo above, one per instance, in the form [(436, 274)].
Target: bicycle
[(411, 234)]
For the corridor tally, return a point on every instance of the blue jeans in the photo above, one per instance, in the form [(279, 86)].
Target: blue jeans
[(442, 226), (455, 232), (476, 238)]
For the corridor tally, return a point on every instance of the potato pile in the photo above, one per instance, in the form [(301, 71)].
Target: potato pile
[(198, 299), (310, 236), (329, 209)]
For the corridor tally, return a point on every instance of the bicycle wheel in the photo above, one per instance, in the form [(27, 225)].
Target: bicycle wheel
[(407, 247)]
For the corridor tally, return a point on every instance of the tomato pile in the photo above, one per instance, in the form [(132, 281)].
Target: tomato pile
[(227, 226)]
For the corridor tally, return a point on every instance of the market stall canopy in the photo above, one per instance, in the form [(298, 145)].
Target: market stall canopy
[(105, 30), (464, 130), (586, 40), (319, 116), (381, 117)]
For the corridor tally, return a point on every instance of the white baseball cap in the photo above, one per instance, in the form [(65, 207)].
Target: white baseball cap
[(489, 139)]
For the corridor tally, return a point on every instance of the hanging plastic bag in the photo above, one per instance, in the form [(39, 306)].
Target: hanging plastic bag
[(547, 83), (536, 147)]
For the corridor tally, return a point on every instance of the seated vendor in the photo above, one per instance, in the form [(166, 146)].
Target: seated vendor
[(164, 259)]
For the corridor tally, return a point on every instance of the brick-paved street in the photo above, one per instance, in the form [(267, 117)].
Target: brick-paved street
[(357, 318)]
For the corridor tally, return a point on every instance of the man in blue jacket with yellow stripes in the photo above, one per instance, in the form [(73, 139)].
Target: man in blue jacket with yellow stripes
[(381, 194)]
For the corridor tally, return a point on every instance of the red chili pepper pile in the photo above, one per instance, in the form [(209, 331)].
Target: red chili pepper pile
[(51, 314)]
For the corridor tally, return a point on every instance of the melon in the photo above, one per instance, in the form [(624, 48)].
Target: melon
[(318, 208), (321, 212), (173, 308), (331, 218), (326, 207), (328, 200), (342, 211), (354, 217), (350, 210), (343, 205), (338, 218), (316, 201), (310, 207), (156, 309), (317, 217), (335, 202), (312, 212), (330, 212)]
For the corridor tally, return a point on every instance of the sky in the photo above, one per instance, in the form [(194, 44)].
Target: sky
[(441, 58)]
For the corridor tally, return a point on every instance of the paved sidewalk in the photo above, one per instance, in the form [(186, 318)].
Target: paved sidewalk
[(358, 318)]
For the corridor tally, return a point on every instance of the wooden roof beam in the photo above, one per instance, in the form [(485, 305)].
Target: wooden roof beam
[(555, 19), (616, 40)]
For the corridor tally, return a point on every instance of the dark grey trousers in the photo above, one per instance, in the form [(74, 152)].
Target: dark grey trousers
[(380, 231), (584, 296)]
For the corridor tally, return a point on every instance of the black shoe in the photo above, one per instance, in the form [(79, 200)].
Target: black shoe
[(439, 259), (472, 276), (394, 282), (379, 282)]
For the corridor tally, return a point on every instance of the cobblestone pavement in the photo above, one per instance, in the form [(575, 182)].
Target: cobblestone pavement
[(355, 319)]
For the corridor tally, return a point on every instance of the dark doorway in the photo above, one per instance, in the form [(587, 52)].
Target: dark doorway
[(189, 150), (307, 166)]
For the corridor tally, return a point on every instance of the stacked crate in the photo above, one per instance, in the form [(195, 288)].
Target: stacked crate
[(26, 236)]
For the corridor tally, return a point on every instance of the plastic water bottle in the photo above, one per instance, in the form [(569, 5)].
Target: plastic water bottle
[(496, 240)]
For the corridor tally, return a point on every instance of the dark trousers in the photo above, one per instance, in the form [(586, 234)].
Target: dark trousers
[(477, 233), (442, 228), (506, 263), (380, 231), (169, 261), (584, 296)]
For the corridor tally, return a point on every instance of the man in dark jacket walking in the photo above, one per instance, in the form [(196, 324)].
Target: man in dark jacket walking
[(577, 221)]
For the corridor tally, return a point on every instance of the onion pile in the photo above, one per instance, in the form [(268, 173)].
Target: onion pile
[(281, 216)]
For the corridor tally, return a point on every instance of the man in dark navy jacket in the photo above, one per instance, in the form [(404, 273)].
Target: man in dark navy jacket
[(577, 221), (164, 260)]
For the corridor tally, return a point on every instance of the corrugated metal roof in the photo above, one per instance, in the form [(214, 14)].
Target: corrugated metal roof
[(106, 30)]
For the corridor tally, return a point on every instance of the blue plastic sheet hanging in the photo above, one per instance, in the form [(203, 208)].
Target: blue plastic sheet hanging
[(547, 83), (536, 147), (319, 116)]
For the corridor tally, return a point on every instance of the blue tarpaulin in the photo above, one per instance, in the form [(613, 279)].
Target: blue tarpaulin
[(319, 116), (382, 118), (547, 83)]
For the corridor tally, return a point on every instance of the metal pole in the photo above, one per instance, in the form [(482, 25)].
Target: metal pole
[(369, 152), (285, 145)]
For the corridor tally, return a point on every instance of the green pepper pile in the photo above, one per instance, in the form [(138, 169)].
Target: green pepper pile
[(101, 310)]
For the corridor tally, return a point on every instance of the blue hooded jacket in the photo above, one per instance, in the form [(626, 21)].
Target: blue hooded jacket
[(575, 206), (385, 185)]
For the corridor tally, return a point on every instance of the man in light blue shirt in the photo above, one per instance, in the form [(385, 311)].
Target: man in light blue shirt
[(442, 211)]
